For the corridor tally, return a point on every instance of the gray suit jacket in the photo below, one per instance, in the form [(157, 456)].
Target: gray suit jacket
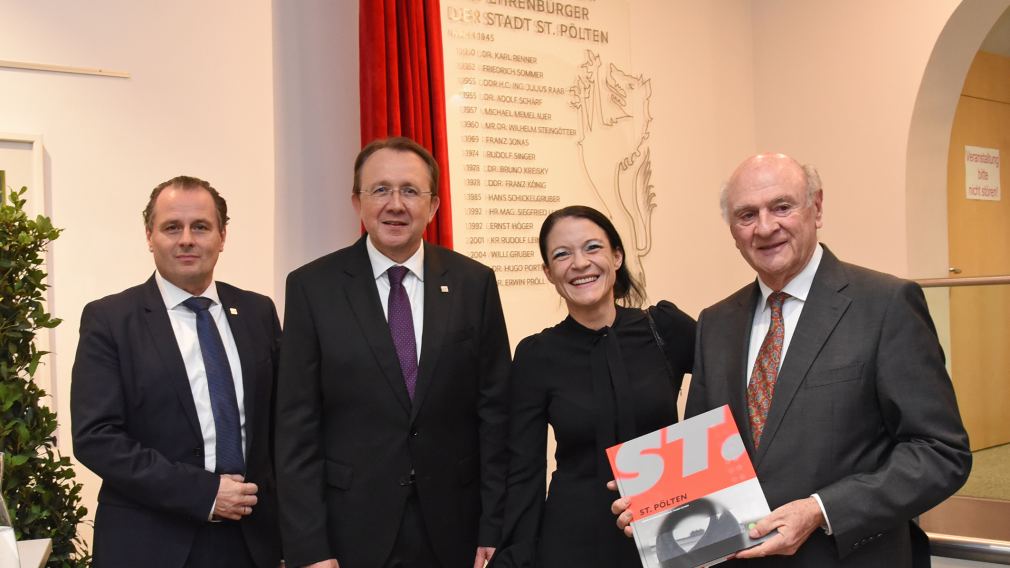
[(863, 413)]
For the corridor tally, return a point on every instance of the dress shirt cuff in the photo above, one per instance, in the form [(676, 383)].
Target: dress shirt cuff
[(210, 516), (826, 527)]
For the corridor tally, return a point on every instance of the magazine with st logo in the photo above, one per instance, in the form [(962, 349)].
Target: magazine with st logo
[(694, 494)]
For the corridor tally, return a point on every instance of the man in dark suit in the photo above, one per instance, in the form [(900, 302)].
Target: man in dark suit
[(171, 402), (836, 379), (392, 410)]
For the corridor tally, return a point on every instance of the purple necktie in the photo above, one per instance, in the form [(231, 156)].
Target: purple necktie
[(401, 327)]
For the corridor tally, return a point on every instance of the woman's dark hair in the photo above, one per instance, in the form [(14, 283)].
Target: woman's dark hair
[(626, 288)]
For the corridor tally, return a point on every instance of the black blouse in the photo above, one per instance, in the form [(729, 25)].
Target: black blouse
[(595, 388)]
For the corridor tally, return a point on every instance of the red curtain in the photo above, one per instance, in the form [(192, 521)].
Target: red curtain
[(403, 86)]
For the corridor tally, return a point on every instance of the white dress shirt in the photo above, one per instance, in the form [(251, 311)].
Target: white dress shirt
[(184, 326), (413, 282), (798, 289)]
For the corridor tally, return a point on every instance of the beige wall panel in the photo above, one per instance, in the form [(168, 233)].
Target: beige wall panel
[(989, 77), (979, 242), (979, 231)]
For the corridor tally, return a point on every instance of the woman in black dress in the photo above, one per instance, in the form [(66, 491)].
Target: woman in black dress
[(604, 375)]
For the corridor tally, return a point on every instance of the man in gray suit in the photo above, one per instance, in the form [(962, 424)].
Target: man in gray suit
[(837, 381)]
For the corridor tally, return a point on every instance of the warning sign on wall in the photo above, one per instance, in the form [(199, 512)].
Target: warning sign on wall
[(981, 173)]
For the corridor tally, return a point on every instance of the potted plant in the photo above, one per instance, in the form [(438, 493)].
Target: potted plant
[(38, 483)]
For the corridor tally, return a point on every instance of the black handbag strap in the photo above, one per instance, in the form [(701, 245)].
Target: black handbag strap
[(659, 340)]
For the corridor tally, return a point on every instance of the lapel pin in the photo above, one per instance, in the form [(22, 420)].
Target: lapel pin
[(233, 311), (445, 289)]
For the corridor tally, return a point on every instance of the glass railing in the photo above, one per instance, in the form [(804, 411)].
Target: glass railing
[(972, 317)]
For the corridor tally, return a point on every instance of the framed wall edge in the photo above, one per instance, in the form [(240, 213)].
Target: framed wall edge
[(36, 191), (38, 204)]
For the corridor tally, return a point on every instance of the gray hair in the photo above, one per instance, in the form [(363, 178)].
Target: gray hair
[(811, 179)]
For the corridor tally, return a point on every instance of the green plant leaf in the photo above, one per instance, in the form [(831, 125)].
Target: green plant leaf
[(38, 484)]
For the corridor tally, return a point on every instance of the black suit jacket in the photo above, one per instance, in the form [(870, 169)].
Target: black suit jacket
[(863, 413), (348, 435), (135, 425)]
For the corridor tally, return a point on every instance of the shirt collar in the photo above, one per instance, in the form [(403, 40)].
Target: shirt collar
[(173, 295), (381, 262), (799, 286)]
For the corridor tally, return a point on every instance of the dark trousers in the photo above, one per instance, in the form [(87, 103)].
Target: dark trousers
[(220, 545), (412, 548)]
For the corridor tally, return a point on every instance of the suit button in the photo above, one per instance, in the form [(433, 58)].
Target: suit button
[(413, 433), (198, 452)]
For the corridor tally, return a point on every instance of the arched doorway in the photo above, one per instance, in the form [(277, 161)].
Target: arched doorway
[(932, 149)]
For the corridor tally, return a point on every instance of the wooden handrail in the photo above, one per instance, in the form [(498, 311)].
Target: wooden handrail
[(966, 281)]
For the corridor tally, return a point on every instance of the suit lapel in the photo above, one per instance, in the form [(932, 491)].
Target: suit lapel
[(363, 297), (160, 328), (243, 343), (822, 310), (738, 343), (438, 294)]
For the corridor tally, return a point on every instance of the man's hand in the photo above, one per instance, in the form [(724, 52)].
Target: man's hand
[(795, 522), (484, 554), (331, 563), (235, 497), (620, 508)]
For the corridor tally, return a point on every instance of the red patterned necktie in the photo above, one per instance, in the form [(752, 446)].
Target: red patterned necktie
[(766, 369)]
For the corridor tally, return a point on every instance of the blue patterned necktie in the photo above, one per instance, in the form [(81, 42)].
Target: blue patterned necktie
[(401, 327), (766, 369), (223, 402)]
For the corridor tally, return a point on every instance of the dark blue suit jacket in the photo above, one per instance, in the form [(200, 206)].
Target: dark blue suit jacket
[(135, 425)]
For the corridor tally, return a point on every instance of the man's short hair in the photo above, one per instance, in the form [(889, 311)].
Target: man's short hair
[(811, 179), (187, 183), (400, 144)]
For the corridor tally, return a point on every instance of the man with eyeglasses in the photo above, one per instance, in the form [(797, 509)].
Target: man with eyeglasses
[(391, 416)]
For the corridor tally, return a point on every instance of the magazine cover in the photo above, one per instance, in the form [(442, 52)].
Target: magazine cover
[(694, 494)]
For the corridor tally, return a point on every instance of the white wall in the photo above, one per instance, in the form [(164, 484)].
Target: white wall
[(700, 58), (836, 86), (199, 101), (317, 128)]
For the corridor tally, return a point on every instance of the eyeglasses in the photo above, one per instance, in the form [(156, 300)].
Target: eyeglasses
[(383, 193)]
